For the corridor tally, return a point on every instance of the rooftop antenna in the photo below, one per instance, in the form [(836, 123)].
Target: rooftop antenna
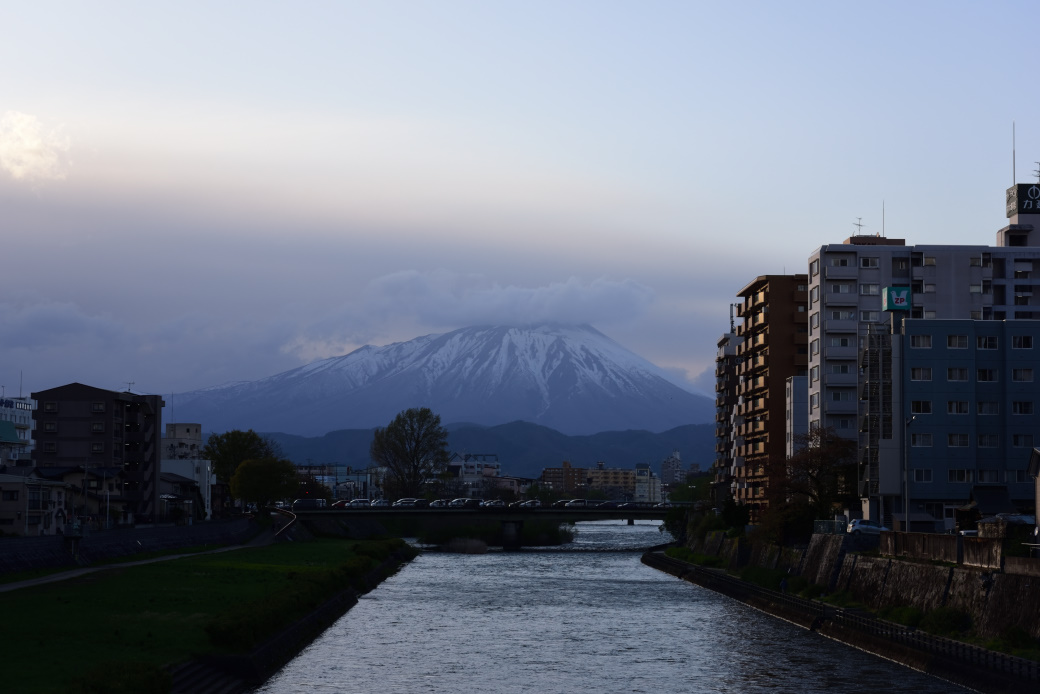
[(882, 217), (1013, 171), (859, 226), (129, 385), (1037, 172)]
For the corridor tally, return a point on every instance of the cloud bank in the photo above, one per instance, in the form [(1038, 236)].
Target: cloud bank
[(30, 152)]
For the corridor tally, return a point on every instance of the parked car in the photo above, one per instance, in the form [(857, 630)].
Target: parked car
[(407, 502), (561, 503), (458, 503), (608, 504), (308, 504), (866, 527), (494, 503), (576, 503), (359, 503), (532, 503), (440, 503), (379, 503)]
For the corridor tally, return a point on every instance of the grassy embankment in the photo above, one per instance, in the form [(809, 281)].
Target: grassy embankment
[(131, 622)]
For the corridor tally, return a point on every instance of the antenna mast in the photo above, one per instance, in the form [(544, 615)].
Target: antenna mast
[(859, 226)]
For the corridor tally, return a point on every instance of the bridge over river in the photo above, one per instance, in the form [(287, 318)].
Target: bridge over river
[(511, 519)]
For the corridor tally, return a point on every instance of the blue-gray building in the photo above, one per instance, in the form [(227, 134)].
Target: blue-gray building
[(965, 415)]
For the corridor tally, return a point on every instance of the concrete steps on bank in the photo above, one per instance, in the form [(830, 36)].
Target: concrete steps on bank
[(201, 678)]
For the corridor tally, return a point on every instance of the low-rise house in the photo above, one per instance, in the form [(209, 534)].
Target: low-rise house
[(31, 504)]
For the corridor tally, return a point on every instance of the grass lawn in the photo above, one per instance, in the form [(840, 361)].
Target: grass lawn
[(155, 614)]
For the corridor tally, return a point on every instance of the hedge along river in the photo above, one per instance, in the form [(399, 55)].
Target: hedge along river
[(585, 617)]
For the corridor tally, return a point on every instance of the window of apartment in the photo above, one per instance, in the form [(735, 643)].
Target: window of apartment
[(975, 288), (868, 262), (900, 263), (814, 268), (97, 448), (960, 475), (916, 312), (843, 315), (988, 407), (1022, 407), (929, 261), (869, 289), (97, 427), (97, 407), (839, 368), (921, 373), (50, 407), (839, 262), (10, 495), (869, 316), (814, 374), (975, 261), (920, 407), (1022, 375), (814, 295), (841, 396), (1022, 440), (1021, 342), (844, 423), (1018, 476), (814, 347), (923, 475), (956, 407), (929, 315), (920, 341), (956, 373), (921, 440), (814, 320), (986, 342), (50, 427), (929, 289), (814, 401), (986, 375), (840, 342), (50, 446), (989, 476), (841, 288), (988, 440)]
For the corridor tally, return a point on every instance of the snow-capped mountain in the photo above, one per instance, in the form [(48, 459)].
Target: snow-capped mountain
[(570, 378)]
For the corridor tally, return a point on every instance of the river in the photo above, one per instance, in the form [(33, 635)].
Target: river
[(586, 617)]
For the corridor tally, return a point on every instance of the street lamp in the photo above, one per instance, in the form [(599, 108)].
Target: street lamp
[(906, 473)]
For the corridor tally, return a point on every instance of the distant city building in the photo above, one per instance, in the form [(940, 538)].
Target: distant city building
[(672, 469), (648, 485), (16, 446), (727, 418), (182, 455), (477, 472), (79, 426)]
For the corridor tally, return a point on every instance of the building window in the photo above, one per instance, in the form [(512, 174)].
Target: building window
[(869, 316), (1022, 375), (814, 374), (50, 407), (986, 342), (841, 396), (988, 440), (986, 375), (97, 448), (956, 373), (839, 262), (50, 427), (921, 407), (921, 373), (923, 475), (988, 407), (97, 407), (814, 295), (1022, 407), (839, 368), (929, 315), (814, 321), (956, 407), (975, 261), (10, 495), (920, 341), (1018, 476), (869, 289), (868, 262), (840, 342), (957, 341), (814, 347), (960, 475), (814, 401), (840, 288), (989, 476), (843, 315), (975, 288), (97, 427), (1022, 440), (1022, 342), (929, 261), (50, 447), (921, 440)]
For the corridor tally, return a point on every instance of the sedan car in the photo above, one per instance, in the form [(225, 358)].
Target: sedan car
[(379, 503), (865, 527)]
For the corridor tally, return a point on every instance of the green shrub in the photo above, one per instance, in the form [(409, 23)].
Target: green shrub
[(907, 616), (811, 591), (946, 621)]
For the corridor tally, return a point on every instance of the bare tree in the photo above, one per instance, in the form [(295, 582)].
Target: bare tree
[(413, 448)]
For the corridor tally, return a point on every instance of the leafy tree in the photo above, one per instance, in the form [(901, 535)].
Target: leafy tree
[(311, 489), (821, 473), (263, 480), (413, 448), (228, 450)]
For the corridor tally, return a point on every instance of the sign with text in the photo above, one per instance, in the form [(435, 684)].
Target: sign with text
[(1023, 198), (896, 299)]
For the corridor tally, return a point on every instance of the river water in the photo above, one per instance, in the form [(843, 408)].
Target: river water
[(586, 617)]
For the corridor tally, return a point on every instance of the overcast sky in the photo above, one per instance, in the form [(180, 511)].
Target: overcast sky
[(193, 193)]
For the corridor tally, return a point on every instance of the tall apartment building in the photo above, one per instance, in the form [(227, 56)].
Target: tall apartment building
[(181, 454), (82, 426), (17, 411), (726, 418), (773, 346), (853, 388)]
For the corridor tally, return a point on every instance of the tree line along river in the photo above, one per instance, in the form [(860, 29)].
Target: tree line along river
[(588, 616)]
